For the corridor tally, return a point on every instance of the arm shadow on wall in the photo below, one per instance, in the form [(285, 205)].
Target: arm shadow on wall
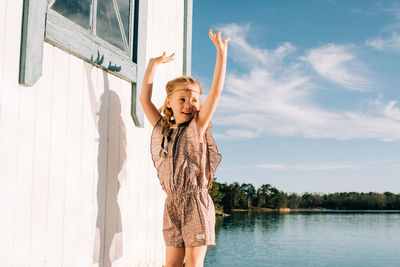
[(111, 160)]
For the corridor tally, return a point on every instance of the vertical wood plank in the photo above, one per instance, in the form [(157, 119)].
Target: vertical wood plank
[(112, 212), (88, 172), (73, 141), (179, 27), (26, 130), (100, 191), (41, 160), (160, 25), (57, 168), (144, 198), (8, 124), (132, 187), (11, 49), (124, 94), (3, 24)]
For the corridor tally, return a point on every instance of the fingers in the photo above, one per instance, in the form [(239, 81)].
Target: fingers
[(217, 36), (164, 58), (211, 35), (226, 40), (171, 57)]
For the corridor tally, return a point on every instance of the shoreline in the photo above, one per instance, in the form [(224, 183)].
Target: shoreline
[(288, 210), (279, 210)]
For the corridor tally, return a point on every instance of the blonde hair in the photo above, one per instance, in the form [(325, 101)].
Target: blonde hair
[(168, 123)]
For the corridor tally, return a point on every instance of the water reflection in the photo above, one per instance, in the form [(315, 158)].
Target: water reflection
[(113, 22), (76, 10), (250, 221)]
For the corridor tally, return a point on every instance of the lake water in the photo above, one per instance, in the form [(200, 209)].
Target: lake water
[(306, 239)]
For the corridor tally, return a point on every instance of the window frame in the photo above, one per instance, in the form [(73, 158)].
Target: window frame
[(92, 48)]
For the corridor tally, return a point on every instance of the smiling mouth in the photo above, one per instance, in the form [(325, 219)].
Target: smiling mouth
[(187, 114)]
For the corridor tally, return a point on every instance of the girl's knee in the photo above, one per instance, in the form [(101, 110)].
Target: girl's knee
[(174, 256), (195, 256), (177, 262), (194, 263)]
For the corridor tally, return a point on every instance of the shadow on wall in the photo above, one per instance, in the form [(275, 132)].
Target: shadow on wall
[(111, 171)]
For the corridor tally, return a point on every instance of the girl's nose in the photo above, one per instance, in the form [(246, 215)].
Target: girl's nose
[(188, 105)]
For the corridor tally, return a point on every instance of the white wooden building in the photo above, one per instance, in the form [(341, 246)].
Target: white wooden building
[(77, 184)]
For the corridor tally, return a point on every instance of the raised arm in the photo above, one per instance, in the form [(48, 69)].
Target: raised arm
[(152, 114), (208, 108)]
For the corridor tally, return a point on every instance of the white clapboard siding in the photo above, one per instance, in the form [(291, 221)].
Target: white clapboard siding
[(73, 148), (40, 184), (57, 168), (77, 184), (3, 17), (9, 96), (88, 171)]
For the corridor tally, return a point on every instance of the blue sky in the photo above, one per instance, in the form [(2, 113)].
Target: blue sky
[(312, 95)]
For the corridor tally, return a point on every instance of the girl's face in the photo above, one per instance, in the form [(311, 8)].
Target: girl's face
[(184, 102)]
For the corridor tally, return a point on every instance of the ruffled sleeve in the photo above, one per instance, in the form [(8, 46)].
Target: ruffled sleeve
[(155, 143), (155, 148), (213, 156)]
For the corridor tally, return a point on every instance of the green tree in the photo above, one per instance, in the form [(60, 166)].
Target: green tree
[(263, 195), (250, 192), (279, 200), (294, 201), (216, 195)]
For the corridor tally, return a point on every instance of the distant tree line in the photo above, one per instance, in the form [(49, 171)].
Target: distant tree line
[(244, 196)]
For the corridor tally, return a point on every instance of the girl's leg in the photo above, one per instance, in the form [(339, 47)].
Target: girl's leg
[(195, 256), (174, 256)]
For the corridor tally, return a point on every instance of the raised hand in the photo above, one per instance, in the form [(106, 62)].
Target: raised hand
[(147, 87), (220, 44), (163, 58)]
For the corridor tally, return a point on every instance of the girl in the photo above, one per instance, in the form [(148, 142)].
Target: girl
[(186, 157)]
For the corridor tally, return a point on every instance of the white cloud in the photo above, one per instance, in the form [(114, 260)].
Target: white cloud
[(389, 40), (271, 166), (274, 96), (237, 133), (306, 167), (336, 63), (389, 44), (321, 166), (250, 54), (391, 111)]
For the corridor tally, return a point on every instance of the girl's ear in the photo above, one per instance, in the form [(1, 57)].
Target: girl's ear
[(167, 104)]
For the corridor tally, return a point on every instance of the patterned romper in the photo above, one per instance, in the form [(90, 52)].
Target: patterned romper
[(186, 175)]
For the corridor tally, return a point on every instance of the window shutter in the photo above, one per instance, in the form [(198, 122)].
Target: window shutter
[(31, 56), (140, 43)]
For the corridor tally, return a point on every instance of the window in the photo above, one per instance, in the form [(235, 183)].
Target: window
[(103, 32)]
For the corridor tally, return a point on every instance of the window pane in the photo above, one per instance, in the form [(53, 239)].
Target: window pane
[(76, 10), (113, 22)]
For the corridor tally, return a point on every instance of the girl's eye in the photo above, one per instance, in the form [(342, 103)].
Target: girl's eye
[(181, 99)]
